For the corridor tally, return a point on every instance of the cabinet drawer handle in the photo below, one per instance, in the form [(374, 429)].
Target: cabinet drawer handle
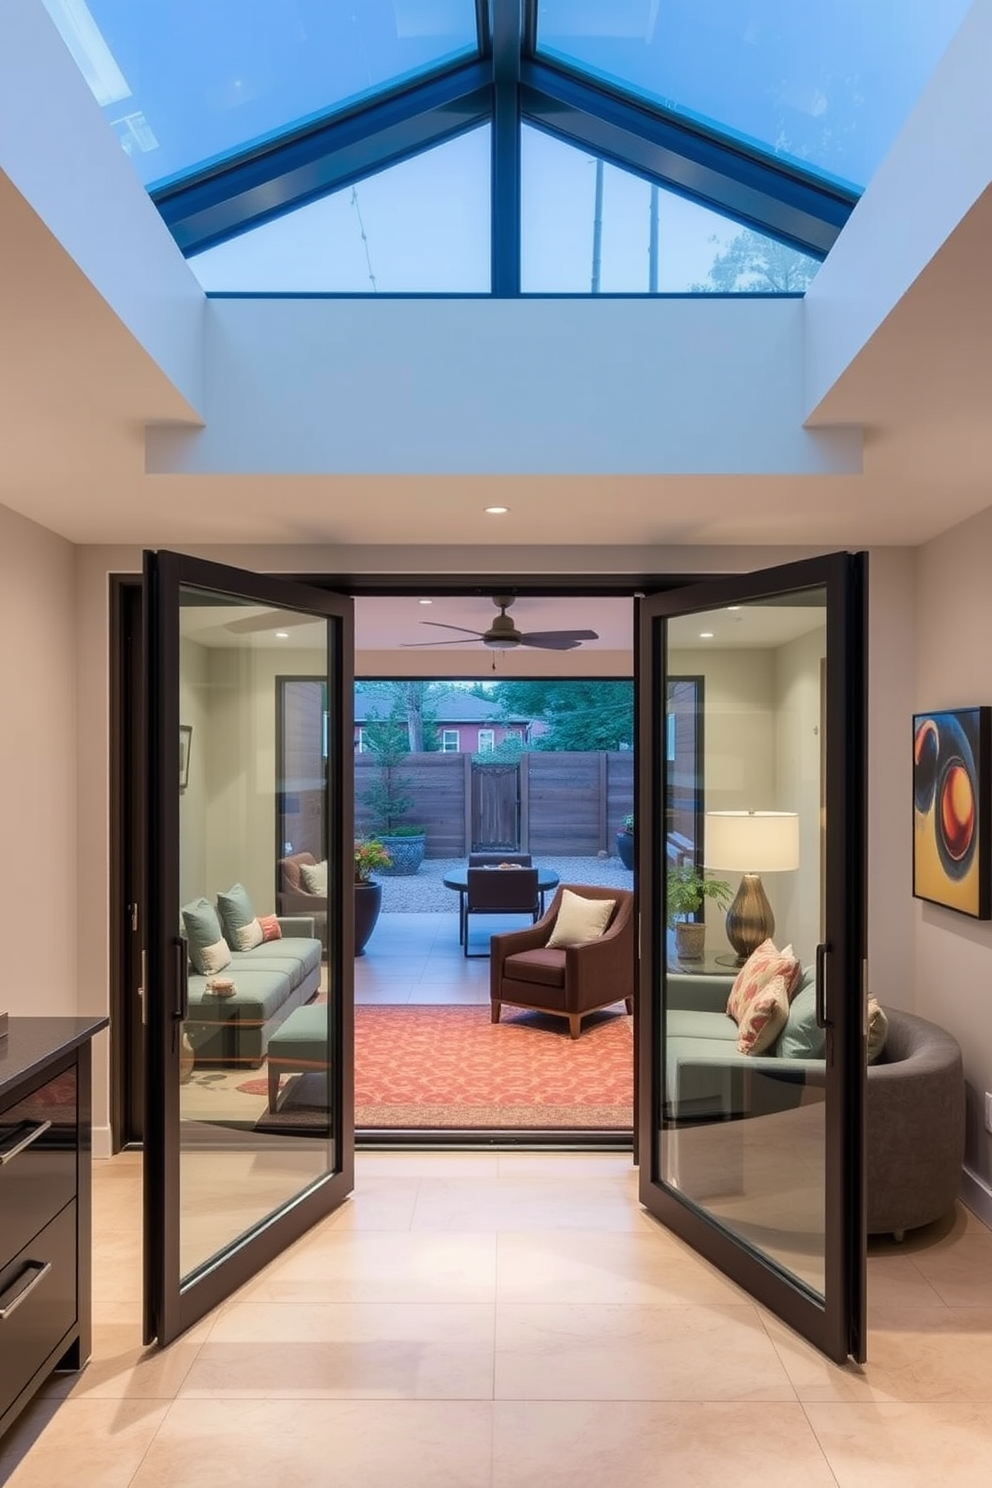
[(36, 1129), (43, 1268)]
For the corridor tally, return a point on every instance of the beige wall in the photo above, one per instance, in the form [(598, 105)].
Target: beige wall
[(953, 952), (38, 762)]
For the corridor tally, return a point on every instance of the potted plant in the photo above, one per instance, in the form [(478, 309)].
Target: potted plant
[(625, 840), (687, 888), (369, 855)]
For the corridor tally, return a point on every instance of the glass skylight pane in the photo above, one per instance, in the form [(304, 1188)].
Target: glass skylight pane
[(184, 83), (826, 84), (697, 251), (418, 227)]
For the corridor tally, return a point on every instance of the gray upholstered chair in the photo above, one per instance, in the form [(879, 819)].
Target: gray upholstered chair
[(498, 891)]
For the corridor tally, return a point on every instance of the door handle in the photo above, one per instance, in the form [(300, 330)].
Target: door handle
[(181, 950), (822, 950)]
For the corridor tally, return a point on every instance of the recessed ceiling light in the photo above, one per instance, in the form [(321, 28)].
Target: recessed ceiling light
[(732, 608), (425, 601), (282, 635), (497, 511), (705, 635)]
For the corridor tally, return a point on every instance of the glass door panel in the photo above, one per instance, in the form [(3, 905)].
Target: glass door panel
[(757, 1089), (249, 1028)]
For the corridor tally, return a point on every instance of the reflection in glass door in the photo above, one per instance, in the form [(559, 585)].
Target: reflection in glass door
[(249, 1035), (757, 1032)]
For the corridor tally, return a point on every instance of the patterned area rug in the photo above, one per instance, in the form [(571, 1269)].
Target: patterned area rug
[(451, 1067)]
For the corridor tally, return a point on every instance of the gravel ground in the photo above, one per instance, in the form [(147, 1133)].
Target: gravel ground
[(423, 892)]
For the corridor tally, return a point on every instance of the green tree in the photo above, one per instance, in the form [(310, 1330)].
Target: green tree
[(388, 796), (412, 701), (754, 264), (579, 715)]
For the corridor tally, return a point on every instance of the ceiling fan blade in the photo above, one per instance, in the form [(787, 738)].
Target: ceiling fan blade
[(472, 641), (439, 624), (557, 640), (274, 620)]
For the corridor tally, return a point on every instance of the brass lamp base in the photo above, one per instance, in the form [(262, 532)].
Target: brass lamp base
[(749, 919)]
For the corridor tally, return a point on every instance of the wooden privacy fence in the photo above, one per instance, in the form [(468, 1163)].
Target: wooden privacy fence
[(565, 804)]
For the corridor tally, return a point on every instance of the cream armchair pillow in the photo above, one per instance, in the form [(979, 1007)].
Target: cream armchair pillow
[(579, 920)]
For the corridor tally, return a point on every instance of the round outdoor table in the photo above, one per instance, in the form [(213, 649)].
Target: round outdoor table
[(458, 879)]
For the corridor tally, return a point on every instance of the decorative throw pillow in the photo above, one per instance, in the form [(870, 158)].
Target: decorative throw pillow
[(764, 1017), (802, 1037), (878, 1030), (236, 914), (579, 920), (247, 937), (270, 927), (313, 876), (208, 950), (758, 970)]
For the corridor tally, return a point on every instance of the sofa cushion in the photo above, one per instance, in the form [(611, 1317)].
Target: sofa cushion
[(697, 1023), (291, 868), (878, 1030), (208, 950), (313, 877), (764, 1017), (544, 967), (292, 955), (241, 928), (802, 1038), (258, 995), (579, 920), (270, 927), (759, 969)]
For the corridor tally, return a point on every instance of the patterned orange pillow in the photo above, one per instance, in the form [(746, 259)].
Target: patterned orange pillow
[(270, 927), (764, 1018), (758, 970)]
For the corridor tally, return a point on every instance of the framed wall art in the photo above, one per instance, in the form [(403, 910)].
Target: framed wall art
[(951, 795)]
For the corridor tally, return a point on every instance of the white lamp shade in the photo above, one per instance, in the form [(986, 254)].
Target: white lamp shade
[(752, 841)]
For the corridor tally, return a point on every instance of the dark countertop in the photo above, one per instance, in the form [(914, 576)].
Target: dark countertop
[(32, 1043)]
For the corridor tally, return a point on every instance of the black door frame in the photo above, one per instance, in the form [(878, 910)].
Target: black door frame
[(838, 1327)]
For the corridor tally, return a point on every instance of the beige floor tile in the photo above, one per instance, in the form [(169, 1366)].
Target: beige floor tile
[(570, 1165), (591, 1444), (387, 1204), (322, 1444), (526, 1203), (936, 1355), (79, 1443), (897, 1282), (604, 1352), (346, 1266), (347, 1351), (120, 1369), (903, 1446), (566, 1266), (117, 1266), (381, 1163)]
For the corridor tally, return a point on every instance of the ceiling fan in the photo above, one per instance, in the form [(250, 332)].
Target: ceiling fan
[(503, 635)]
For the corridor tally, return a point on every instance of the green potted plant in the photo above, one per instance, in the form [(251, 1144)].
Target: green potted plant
[(625, 840), (369, 855), (687, 888)]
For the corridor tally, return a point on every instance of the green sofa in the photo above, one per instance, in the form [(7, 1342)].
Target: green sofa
[(270, 981)]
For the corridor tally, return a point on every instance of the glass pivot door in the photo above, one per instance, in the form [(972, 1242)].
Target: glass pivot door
[(756, 1158), (249, 1127)]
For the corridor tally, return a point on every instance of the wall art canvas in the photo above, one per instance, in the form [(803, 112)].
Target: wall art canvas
[(951, 790)]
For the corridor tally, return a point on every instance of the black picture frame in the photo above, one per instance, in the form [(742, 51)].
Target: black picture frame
[(185, 746), (952, 789)]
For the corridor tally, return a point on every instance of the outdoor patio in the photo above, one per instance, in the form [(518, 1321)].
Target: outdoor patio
[(414, 955)]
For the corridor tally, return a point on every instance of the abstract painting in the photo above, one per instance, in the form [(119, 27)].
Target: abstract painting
[(951, 832)]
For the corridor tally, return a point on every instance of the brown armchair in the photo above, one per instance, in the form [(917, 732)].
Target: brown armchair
[(293, 899), (498, 891), (570, 982)]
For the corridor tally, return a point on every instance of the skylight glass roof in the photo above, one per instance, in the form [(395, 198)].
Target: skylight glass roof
[(186, 83), (824, 84), (649, 241), (418, 227)]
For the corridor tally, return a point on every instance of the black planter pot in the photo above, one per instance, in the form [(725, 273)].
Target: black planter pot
[(368, 902), (625, 848)]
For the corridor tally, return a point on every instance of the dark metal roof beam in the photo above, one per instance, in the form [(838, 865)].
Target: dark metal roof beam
[(684, 159), (506, 21), (290, 173)]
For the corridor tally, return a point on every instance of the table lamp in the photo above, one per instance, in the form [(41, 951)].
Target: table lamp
[(751, 843)]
